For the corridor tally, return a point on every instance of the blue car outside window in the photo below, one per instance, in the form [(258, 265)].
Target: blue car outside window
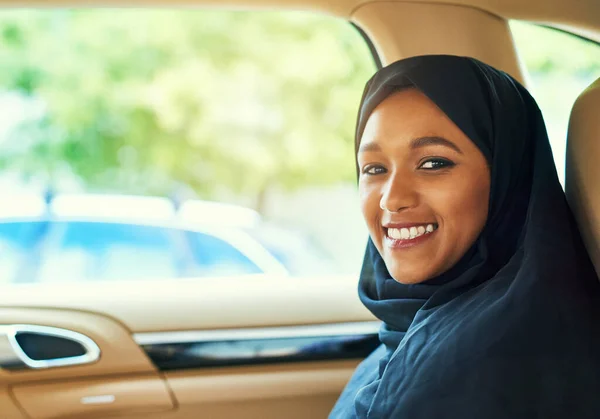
[(215, 257), (22, 235), (18, 241), (108, 251), (75, 251)]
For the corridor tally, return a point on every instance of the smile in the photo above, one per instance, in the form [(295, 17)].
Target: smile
[(409, 235)]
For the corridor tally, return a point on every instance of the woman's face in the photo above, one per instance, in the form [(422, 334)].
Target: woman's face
[(424, 187)]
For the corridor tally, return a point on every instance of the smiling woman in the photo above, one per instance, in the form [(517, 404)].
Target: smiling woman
[(486, 313), (420, 174)]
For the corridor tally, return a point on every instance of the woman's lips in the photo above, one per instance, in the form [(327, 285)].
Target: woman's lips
[(408, 236)]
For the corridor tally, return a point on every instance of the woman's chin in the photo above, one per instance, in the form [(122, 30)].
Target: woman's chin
[(409, 277)]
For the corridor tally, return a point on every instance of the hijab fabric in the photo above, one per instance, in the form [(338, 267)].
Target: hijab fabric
[(512, 330)]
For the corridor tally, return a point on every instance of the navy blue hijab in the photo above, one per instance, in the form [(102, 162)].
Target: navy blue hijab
[(513, 329)]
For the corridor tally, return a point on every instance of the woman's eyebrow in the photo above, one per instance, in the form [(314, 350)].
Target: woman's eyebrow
[(427, 141), (364, 147)]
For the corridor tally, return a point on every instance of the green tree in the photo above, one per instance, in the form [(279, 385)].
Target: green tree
[(147, 100)]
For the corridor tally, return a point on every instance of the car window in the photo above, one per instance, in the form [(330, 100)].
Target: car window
[(559, 67), (254, 109)]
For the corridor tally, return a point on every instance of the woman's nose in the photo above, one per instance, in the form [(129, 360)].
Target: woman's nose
[(398, 194)]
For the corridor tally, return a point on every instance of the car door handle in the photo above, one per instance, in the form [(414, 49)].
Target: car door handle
[(27, 346)]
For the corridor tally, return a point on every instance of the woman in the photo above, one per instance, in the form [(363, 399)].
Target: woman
[(490, 305)]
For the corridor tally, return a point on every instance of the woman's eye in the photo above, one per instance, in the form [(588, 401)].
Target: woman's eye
[(373, 170), (436, 164)]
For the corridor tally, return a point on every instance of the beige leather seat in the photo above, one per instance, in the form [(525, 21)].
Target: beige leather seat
[(582, 182)]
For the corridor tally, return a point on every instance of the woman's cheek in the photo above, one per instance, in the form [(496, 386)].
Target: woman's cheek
[(463, 204), (369, 203)]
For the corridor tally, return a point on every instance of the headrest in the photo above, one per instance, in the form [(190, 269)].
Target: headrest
[(582, 181)]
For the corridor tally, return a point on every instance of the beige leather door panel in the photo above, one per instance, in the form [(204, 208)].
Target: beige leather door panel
[(120, 380), (9, 408), (232, 348), (119, 353), (99, 398), (269, 392), (201, 304)]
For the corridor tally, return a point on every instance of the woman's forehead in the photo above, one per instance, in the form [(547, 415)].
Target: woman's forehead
[(404, 116)]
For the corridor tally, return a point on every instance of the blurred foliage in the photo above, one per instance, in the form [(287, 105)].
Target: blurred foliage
[(551, 51), (150, 101)]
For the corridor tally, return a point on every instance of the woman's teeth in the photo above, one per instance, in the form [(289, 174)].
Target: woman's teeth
[(410, 233)]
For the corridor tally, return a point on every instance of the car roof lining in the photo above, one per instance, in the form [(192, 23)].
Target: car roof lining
[(581, 17)]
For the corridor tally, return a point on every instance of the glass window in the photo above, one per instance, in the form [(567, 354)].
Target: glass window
[(253, 109), (559, 66)]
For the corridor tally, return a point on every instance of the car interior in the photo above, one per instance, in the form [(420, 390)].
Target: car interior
[(581, 188), (265, 348)]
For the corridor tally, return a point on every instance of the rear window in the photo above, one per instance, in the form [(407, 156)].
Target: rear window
[(559, 67), (253, 109)]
